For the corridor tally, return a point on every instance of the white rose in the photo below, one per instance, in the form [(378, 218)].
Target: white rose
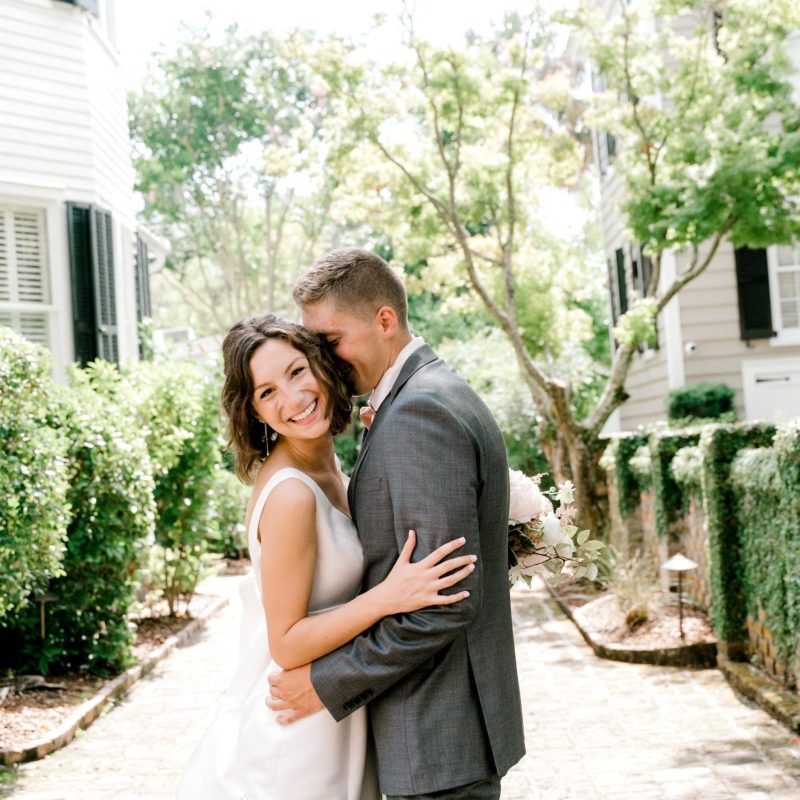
[(566, 492), (526, 500), (552, 534)]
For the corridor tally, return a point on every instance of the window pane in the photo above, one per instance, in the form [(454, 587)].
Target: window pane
[(788, 285), (32, 326), (790, 315), (786, 256)]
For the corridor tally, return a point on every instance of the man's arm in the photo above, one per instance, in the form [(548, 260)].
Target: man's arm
[(433, 482)]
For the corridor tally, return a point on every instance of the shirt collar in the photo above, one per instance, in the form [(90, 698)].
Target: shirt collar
[(387, 382)]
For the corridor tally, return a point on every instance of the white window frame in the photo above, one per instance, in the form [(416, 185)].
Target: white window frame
[(45, 307), (784, 336)]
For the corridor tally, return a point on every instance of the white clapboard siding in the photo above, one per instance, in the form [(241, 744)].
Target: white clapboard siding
[(64, 121)]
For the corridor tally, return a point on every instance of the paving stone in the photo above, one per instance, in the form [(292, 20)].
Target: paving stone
[(596, 730)]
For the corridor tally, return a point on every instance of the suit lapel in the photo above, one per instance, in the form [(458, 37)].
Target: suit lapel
[(418, 359)]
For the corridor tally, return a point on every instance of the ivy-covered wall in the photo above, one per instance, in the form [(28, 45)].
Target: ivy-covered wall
[(745, 491), (766, 495), (719, 446)]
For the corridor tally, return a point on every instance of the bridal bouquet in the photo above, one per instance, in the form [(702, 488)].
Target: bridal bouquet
[(542, 538)]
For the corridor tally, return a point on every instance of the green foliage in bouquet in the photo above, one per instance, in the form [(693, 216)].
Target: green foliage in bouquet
[(111, 496), (542, 537), (33, 475), (719, 445), (704, 401)]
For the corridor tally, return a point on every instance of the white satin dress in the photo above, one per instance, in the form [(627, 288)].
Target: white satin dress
[(246, 754)]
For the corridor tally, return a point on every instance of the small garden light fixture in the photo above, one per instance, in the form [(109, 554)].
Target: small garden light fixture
[(680, 564)]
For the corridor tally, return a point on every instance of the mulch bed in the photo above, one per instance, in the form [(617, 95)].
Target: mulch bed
[(28, 716), (599, 612)]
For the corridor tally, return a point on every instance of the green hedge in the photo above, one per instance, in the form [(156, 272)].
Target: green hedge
[(111, 495), (704, 401), (630, 483), (33, 475), (719, 445), (758, 489), (670, 501)]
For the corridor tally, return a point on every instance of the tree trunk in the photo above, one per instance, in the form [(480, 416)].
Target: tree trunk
[(572, 458)]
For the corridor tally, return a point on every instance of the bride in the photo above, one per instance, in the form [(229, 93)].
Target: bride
[(284, 400)]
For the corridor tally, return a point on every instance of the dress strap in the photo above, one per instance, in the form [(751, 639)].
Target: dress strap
[(280, 476)]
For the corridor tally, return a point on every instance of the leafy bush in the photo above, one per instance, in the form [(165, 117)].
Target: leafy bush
[(704, 401), (176, 408), (230, 496), (111, 494), (33, 475)]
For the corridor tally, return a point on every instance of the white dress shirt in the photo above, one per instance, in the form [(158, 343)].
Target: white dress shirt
[(387, 382)]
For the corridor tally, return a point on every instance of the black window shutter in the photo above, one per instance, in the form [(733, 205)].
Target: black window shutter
[(752, 283), (647, 272), (105, 291), (142, 261), (612, 293), (84, 322), (622, 292)]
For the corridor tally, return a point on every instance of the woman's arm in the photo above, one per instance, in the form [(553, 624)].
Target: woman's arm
[(288, 557)]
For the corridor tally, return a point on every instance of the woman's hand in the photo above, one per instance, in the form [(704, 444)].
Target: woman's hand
[(411, 586)]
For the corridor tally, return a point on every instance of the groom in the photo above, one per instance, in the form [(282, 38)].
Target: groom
[(441, 683)]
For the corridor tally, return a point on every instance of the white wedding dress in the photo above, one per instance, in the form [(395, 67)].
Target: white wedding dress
[(246, 754)]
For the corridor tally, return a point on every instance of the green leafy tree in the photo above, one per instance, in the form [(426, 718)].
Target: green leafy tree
[(230, 159), (708, 148), (459, 151)]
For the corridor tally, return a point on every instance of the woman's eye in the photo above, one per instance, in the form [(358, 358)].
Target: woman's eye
[(266, 393), (297, 371)]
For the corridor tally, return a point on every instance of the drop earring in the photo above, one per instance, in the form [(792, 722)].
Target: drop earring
[(268, 438)]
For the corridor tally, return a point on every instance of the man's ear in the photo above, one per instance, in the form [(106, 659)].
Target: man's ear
[(387, 319)]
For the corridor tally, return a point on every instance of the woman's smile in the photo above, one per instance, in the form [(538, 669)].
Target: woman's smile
[(306, 415)]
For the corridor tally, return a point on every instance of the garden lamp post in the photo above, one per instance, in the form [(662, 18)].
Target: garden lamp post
[(43, 600), (680, 564)]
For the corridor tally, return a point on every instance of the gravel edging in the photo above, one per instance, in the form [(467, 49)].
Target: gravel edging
[(702, 655), (753, 684), (85, 714)]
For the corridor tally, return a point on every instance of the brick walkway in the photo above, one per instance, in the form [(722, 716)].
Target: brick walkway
[(595, 729)]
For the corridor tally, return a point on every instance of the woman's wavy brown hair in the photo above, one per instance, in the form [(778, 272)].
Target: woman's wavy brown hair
[(247, 438)]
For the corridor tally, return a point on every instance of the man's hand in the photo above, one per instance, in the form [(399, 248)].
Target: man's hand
[(291, 691)]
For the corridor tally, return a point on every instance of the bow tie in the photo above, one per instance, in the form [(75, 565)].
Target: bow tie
[(367, 414)]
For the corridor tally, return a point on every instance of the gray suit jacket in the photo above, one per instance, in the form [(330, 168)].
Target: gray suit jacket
[(441, 683)]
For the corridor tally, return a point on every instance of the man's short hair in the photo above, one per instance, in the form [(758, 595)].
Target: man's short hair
[(354, 279)]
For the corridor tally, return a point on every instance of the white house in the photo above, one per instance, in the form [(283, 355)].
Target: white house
[(73, 262), (738, 323)]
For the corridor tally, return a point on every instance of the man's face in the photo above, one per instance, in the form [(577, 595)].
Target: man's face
[(359, 341)]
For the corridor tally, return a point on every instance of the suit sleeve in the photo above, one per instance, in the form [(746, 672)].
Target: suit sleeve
[(432, 474)]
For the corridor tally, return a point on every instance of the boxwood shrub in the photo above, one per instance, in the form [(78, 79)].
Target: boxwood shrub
[(705, 401), (111, 495), (33, 475)]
